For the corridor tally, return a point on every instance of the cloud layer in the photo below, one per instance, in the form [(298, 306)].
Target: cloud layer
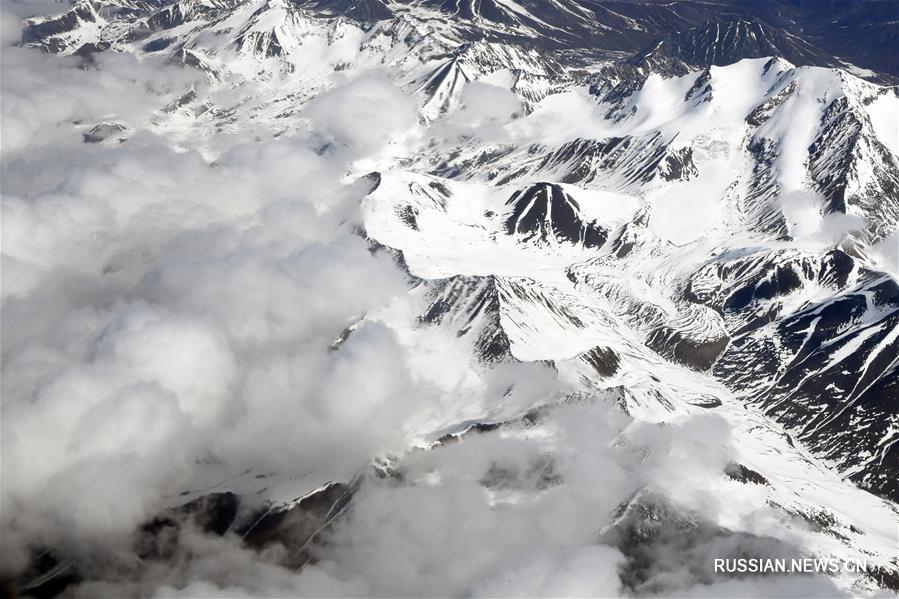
[(162, 310)]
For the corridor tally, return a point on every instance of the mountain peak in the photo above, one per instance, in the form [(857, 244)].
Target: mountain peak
[(719, 43), (546, 212), (360, 10)]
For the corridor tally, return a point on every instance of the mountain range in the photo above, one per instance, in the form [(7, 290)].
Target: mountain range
[(683, 208)]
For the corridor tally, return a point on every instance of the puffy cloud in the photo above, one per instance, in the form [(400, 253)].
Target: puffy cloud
[(886, 253), (163, 311), (45, 101), (484, 112), (521, 510), (364, 113), (484, 102), (807, 224), (587, 572)]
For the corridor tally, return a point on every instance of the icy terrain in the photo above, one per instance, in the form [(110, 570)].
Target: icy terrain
[(423, 298)]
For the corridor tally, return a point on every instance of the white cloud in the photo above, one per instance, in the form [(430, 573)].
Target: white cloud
[(807, 223), (586, 572), (886, 252), (363, 113), (162, 311), (486, 103)]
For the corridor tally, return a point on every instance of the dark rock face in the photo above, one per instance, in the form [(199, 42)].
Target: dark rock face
[(746, 289), (158, 44), (679, 166), (856, 32), (722, 43), (544, 212), (781, 281), (845, 146), (761, 113), (741, 473), (801, 30), (257, 526), (409, 216), (585, 30), (830, 374), (104, 131), (666, 546), (43, 32), (297, 526), (827, 370), (360, 10), (632, 160), (168, 17), (603, 360), (47, 575), (698, 354), (471, 306), (580, 153)]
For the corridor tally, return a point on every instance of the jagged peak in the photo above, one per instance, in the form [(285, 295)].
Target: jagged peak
[(545, 211), (441, 89), (361, 10), (470, 305), (52, 33), (718, 43)]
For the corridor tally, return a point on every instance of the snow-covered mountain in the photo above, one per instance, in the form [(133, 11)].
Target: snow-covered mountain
[(679, 209)]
